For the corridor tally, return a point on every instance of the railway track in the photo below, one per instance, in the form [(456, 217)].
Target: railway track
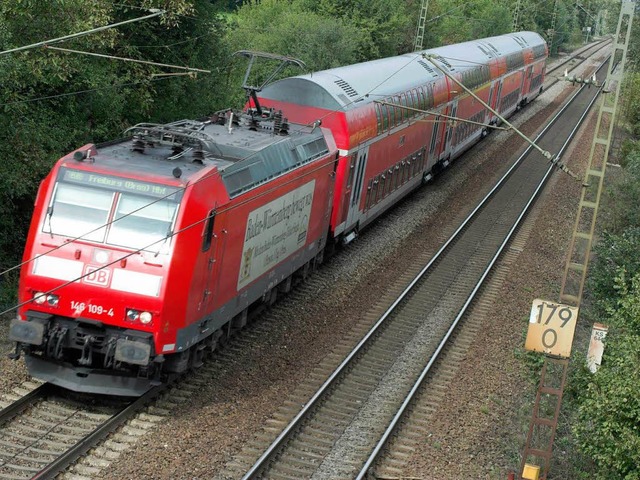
[(48, 429), (577, 55), (341, 429)]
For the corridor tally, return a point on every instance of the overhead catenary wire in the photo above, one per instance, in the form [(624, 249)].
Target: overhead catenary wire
[(124, 59), (155, 13), (552, 158)]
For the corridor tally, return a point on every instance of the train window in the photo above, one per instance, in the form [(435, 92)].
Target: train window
[(385, 117), (422, 103), (79, 211), (406, 101), (393, 113), (379, 116), (400, 112), (208, 231), (142, 225)]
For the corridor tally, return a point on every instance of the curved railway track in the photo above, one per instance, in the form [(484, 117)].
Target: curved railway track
[(342, 428)]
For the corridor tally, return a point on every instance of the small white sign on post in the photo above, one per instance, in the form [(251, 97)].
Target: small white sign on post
[(596, 346)]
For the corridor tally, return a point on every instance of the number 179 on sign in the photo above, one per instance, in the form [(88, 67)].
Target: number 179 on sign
[(551, 328)]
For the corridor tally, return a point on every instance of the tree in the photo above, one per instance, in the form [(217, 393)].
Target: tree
[(52, 102), (387, 27), (286, 28)]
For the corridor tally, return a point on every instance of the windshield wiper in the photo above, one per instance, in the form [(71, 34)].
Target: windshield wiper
[(49, 215), (169, 235)]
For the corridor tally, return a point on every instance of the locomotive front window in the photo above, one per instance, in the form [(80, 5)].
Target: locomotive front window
[(107, 209), (142, 223), (78, 211)]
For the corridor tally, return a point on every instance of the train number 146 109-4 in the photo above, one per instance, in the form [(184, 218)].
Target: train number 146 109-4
[(80, 307)]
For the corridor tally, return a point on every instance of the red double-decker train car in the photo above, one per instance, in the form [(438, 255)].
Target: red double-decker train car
[(143, 254), (388, 146)]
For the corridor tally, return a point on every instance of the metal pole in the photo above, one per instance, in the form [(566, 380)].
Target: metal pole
[(422, 23), (516, 15)]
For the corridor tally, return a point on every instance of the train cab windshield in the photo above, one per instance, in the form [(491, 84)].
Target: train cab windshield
[(112, 210)]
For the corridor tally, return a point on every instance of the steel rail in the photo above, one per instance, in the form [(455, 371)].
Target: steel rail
[(91, 440), (577, 54), (275, 446), (24, 402), (415, 389)]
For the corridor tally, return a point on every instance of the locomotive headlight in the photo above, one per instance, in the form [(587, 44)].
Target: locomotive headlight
[(133, 315), (53, 300), (145, 317), (101, 256), (39, 298)]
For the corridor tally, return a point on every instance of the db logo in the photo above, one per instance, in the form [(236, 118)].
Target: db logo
[(95, 276)]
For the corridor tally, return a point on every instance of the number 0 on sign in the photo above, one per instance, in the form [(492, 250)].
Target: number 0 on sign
[(551, 327)]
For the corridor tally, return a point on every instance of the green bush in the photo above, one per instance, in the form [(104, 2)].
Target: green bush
[(608, 427)]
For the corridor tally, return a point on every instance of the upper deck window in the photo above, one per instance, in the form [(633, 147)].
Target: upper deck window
[(105, 209)]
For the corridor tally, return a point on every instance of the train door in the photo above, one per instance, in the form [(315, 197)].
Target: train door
[(450, 129), (526, 81), (496, 100), (492, 91), (210, 245), (356, 190), (435, 141), (348, 188)]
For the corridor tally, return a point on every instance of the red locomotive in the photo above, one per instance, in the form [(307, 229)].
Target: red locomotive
[(146, 252)]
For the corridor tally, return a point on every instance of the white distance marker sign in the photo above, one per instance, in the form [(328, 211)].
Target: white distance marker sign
[(551, 328), (274, 231)]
